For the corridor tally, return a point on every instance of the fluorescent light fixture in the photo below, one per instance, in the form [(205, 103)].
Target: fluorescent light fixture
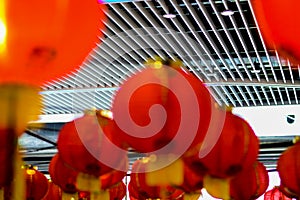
[(169, 16), (57, 118), (272, 120), (255, 71), (227, 13)]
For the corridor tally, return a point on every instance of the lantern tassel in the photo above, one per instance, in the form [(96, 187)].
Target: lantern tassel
[(103, 195), (67, 196), (191, 196), (165, 175), (86, 182), (217, 187)]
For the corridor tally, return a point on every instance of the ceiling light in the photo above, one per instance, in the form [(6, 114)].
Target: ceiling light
[(255, 71), (227, 13), (169, 16)]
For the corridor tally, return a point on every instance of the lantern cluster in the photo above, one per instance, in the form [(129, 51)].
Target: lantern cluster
[(29, 183), (168, 114)]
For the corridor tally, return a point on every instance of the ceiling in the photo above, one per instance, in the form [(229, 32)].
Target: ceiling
[(227, 53)]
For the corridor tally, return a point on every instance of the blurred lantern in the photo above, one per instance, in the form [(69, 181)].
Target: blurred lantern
[(141, 189), (192, 183), (55, 39), (54, 192), (83, 195), (288, 167), (287, 192), (280, 27), (114, 177), (94, 184), (134, 194), (235, 150), (83, 145), (153, 110), (63, 175), (275, 194), (36, 184), (115, 192), (118, 191), (250, 183)]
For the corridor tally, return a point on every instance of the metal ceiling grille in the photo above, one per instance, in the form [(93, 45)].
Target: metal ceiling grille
[(226, 52)]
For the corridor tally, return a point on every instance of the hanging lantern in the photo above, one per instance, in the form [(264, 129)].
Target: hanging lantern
[(112, 178), (83, 146), (275, 194), (192, 183), (94, 184), (250, 183), (54, 192), (36, 184), (279, 27), (115, 192), (153, 110), (142, 190), (236, 149), (118, 191), (63, 175), (134, 194), (55, 38), (288, 170)]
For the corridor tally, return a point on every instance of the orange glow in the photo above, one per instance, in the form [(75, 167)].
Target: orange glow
[(3, 30)]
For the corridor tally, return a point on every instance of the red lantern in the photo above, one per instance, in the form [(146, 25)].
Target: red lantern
[(43, 40), (54, 192), (275, 194), (193, 182), (63, 175), (36, 184), (288, 170), (83, 146), (118, 191), (141, 190), (90, 183), (250, 183), (110, 179), (133, 192), (236, 149), (279, 26), (153, 110)]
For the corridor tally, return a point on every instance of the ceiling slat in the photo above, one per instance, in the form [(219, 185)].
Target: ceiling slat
[(264, 46)]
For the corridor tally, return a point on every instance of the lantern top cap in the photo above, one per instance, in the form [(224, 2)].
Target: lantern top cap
[(296, 139), (157, 62)]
